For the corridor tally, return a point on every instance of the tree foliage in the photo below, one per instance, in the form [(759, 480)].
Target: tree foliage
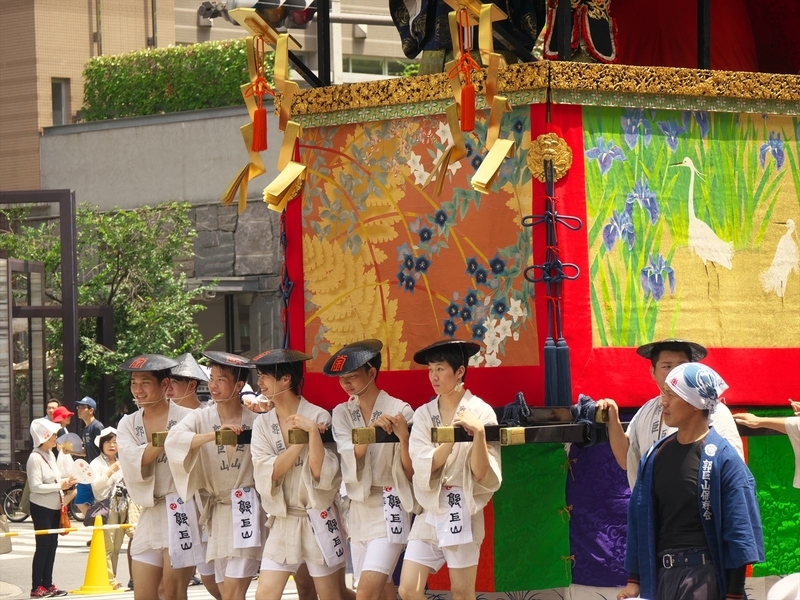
[(133, 261)]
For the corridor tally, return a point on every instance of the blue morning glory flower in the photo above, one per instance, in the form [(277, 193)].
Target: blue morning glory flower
[(671, 131), (453, 309), (401, 277), (472, 265), (422, 264), (632, 121), (408, 261), (481, 275), (478, 331), (653, 277), (645, 197), (471, 299), (450, 327), (518, 125), (476, 161), (425, 234), (409, 283), (499, 308), (497, 264), (774, 146), (440, 217), (605, 155), (465, 314), (620, 227)]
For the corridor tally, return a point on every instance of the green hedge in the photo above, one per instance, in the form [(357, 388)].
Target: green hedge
[(164, 80)]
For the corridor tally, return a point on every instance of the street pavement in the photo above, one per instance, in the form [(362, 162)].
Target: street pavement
[(70, 568)]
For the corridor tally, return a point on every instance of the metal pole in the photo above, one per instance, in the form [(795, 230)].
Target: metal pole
[(324, 40), (69, 296), (564, 20), (703, 34)]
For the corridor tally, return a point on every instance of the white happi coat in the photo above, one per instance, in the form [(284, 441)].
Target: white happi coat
[(291, 539), (455, 472), (647, 427), (208, 470), (379, 467), (793, 431), (148, 485)]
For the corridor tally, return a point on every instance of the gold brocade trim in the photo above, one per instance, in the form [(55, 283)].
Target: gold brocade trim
[(411, 90), (673, 82), (568, 81)]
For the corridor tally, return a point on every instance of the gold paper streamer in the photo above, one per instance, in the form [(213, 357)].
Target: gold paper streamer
[(496, 62), (285, 186), (459, 145), (486, 174), (255, 25), (286, 154), (485, 39), (455, 81), (290, 88), (499, 106), (250, 171), (281, 70), (440, 171)]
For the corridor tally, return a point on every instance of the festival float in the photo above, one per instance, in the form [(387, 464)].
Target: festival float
[(559, 213)]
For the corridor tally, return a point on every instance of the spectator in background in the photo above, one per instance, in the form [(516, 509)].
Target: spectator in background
[(87, 408), (51, 407), (47, 486)]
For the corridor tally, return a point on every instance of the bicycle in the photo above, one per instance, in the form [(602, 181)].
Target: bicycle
[(11, 502)]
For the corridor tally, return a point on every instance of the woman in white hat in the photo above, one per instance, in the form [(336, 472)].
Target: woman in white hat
[(109, 485), (47, 487)]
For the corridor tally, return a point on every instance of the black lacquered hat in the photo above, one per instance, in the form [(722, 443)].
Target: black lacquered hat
[(148, 362), (187, 367), (698, 352), (352, 356), (228, 360), (467, 349), (278, 356)]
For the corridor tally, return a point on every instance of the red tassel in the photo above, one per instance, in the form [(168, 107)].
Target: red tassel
[(468, 107), (259, 130)]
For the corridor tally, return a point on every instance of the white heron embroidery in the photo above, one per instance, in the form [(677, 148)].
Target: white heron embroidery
[(702, 240), (785, 261)]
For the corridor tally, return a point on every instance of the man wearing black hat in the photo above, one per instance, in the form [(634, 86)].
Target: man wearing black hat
[(157, 549), (377, 476), (297, 482), (232, 514), (647, 426), (452, 481)]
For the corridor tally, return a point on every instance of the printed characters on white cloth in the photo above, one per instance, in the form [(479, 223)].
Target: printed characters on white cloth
[(185, 549), (398, 520), (326, 525), (246, 513)]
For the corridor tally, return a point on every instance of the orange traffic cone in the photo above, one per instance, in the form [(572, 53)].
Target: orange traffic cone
[(96, 579)]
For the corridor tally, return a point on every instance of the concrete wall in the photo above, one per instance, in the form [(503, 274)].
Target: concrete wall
[(126, 163)]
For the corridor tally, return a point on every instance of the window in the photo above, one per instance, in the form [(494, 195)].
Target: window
[(60, 94), (370, 65)]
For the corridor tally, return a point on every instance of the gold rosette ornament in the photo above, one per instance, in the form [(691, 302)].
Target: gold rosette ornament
[(549, 147)]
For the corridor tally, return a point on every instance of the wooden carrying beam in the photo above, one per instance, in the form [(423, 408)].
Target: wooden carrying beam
[(512, 436)]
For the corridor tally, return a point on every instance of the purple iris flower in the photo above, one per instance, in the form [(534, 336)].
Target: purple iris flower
[(701, 117), (620, 227), (645, 197), (773, 145), (605, 155), (631, 121), (671, 130), (653, 277)]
